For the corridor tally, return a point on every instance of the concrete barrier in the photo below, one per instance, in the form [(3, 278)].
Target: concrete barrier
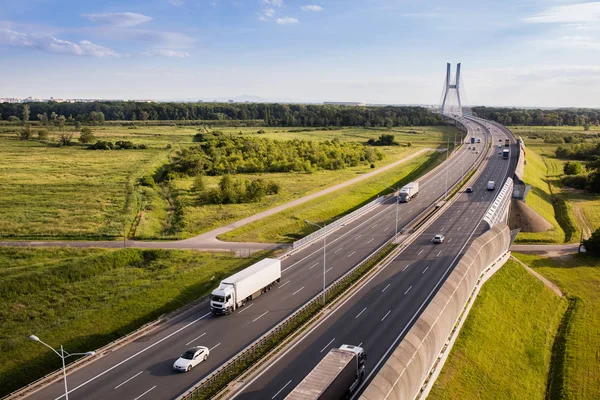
[(408, 367)]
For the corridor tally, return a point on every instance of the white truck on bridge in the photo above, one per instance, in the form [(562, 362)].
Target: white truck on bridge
[(407, 192), (335, 377), (242, 287)]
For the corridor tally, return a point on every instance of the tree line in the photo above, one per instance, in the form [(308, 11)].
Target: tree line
[(300, 115), (585, 117), (219, 154)]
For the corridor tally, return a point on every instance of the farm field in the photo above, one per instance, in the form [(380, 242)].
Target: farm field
[(576, 374), (86, 298), (70, 192), (505, 346)]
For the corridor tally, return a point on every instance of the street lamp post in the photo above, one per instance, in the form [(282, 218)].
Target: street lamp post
[(397, 202), (324, 252), (63, 355)]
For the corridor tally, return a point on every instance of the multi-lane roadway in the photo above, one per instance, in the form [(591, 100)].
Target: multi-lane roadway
[(378, 315), (143, 368)]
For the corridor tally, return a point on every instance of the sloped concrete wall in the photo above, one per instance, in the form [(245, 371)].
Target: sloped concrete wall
[(404, 373)]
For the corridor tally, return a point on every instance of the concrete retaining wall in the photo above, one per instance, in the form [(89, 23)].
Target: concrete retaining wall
[(406, 370)]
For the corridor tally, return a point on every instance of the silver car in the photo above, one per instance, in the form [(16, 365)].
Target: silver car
[(191, 358), (438, 238)]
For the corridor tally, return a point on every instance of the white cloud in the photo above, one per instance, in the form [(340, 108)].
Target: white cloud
[(177, 3), (167, 53), (50, 44), (276, 3), (124, 19), (570, 42), (574, 13), (286, 21), (266, 14), (312, 8)]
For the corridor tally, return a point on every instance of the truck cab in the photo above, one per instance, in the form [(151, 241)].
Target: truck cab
[(222, 299)]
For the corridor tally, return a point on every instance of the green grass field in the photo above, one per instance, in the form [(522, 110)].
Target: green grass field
[(288, 225), (504, 348), (84, 299), (69, 192), (578, 358)]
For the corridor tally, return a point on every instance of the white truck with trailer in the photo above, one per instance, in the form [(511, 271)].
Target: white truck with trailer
[(242, 287), (336, 377), (407, 192)]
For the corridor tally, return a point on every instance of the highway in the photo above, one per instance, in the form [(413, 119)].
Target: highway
[(143, 368), (378, 315)]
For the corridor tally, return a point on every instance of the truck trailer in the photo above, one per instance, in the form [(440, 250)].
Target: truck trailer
[(242, 287), (505, 153), (336, 377), (472, 140), (506, 143), (408, 191)]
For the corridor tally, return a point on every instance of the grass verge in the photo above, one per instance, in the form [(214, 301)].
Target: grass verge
[(85, 299), (575, 373), (295, 325), (504, 348), (288, 225)]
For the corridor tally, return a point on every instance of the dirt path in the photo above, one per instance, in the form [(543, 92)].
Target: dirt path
[(545, 281), (208, 240), (580, 215)]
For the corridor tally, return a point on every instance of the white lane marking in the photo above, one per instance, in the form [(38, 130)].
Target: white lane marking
[(338, 250), (138, 374), (284, 284), (135, 355), (449, 240), (327, 270), (281, 390), (197, 337), (360, 344), (472, 211), (245, 308), (312, 266), (407, 265), (450, 219), (360, 313), (386, 228), (466, 219), (420, 252), (216, 345), (357, 237), (386, 314), (260, 316), (405, 293), (439, 254), (442, 228), (298, 290), (458, 229), (388, 285), (351, 254), (426, 268), (370, 240), (327, 345), (146, 392), (373, 226)]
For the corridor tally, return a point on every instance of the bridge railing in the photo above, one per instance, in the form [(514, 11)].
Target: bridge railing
[(498, 210)]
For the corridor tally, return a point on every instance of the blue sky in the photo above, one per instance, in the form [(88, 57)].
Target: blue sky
[(513, 52)]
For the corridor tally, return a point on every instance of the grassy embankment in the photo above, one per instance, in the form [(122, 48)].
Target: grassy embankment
[(504, 348), (85, 298), (522, 341), (74, 193), (288, 225)]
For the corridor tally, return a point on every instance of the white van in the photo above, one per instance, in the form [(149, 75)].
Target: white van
[(491, 185)]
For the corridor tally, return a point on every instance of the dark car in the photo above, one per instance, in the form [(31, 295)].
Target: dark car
[(469, 189)]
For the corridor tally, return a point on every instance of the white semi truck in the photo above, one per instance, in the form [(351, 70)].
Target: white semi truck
[(407, 192), (242, 287), (336, 377)]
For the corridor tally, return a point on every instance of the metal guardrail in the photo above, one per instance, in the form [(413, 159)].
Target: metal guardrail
[(336, 224), (498, 210)]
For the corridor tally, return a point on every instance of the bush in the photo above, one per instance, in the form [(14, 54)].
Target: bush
[(592, 245), (102, 145), (87, 135), (147, 181), (384, 140), (26, 133), (261, 131), (572, 168), (576, 182), (43, 134)]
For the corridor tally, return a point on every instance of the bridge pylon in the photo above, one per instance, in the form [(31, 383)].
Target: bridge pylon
[(449, 88)]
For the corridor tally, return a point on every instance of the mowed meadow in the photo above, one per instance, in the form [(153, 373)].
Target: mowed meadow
[(51, 192)]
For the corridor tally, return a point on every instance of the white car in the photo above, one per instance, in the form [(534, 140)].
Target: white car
[(191, 358), (438, 238)]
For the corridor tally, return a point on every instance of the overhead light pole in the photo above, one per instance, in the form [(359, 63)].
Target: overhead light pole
[(397, 202), (63, 355), (324, 252)]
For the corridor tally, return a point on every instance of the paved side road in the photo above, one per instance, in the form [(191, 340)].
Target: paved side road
[(208, 241), (553, 250)]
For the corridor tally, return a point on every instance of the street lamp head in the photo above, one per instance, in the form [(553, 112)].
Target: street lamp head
[(34, 338), (90, 353)]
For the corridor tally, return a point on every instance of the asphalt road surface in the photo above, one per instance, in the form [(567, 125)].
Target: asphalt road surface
[(143, 368), (378, 315)]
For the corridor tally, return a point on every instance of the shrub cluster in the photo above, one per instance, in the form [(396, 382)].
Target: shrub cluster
[(384, 140), (119, 145), (218, 154), (236, 191)]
